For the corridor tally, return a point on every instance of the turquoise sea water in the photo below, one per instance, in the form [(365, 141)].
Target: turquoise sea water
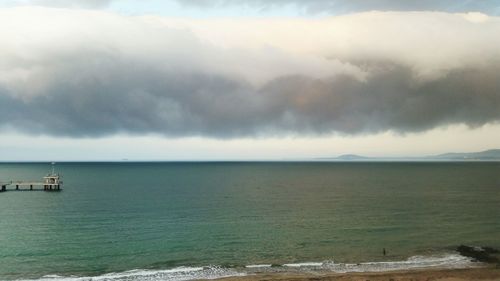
[(179, 221)]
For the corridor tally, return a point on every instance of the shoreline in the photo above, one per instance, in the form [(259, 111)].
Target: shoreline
[(445, 267), (485, 273)]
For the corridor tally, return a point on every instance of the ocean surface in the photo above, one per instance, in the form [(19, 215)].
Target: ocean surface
[(182, 221)]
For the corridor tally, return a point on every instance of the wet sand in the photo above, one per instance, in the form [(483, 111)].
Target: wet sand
[(484, 274)]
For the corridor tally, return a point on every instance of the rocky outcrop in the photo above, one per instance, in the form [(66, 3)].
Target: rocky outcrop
[(481, 254)]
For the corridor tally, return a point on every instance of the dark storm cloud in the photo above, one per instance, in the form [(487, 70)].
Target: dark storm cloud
[(391, 100), (145, 100), (105, 74), (340, 6)]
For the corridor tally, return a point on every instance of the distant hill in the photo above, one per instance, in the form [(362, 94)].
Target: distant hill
[(351, 157), (487, 155), (492, 154)]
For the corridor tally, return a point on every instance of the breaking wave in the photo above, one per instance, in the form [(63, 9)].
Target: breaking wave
[(215, 272), (176, 274)]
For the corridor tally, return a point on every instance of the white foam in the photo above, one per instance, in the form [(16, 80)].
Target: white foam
[(214, 272), (304, 264), (175, 274), (415, 262), (258, 265)]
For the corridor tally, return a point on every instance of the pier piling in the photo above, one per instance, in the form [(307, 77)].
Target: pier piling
[(51, 182), (32, 185)]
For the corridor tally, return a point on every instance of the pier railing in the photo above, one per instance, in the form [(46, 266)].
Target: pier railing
[(31, 185)]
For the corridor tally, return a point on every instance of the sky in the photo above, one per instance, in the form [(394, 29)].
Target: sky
[(246, 79)]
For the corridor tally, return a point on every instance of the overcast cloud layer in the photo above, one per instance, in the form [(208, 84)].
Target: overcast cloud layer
[(90, 73), (491, 7), (62, 3), (340, 6)]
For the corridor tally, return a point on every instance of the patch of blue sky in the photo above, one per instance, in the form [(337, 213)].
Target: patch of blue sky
[(174, 9)]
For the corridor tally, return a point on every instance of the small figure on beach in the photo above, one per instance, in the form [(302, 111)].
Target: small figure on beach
[(383, 251)]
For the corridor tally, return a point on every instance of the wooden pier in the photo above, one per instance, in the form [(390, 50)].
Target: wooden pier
[(29, 185), (51, 182)]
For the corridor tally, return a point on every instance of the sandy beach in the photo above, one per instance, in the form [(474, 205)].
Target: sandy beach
[(486, 274)]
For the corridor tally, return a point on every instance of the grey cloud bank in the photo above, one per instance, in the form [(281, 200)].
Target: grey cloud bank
[(342, 6), (101, 74), (491, 7), (63, 3)]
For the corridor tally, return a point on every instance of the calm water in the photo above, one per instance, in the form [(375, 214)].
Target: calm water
[(168, 219)]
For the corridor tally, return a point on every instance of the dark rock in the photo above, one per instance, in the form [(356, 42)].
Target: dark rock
[(490, 250), (481, 254)]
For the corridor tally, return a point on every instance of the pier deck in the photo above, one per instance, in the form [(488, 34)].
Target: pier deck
[(51, 182), (30, 185)]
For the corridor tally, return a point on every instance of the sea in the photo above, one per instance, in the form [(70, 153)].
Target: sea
[(206, 220)]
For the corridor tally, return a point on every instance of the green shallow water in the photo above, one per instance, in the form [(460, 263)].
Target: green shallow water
[(114, 217)]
